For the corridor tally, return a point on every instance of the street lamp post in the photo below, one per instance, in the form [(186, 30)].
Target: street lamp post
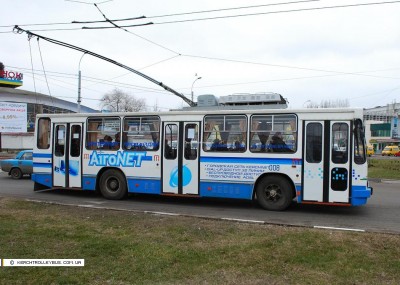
[(193, 84), (79, 84)]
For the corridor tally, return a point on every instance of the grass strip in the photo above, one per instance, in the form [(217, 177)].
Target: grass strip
[(133, 248), (384, 168)]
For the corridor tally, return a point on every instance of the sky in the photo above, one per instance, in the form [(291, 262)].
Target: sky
[(307, 51)]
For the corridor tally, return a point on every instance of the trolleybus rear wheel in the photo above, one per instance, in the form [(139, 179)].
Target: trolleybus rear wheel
[(274, 193), (113, 185)]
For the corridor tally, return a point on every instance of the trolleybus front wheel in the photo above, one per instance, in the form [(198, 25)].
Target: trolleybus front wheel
[(113, 184), (274, 193)]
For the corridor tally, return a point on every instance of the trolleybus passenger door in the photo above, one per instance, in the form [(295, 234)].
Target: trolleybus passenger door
[(326, 163), (313, 174), (180, 159), (59, 155), (67, 155), (75, 156), (170, 158), (190, 159), (340, 156)]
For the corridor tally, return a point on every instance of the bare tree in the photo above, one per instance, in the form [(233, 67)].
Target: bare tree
[(338, 103), (119, 101)]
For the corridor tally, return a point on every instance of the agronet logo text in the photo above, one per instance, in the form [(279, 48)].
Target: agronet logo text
[(126, 159)]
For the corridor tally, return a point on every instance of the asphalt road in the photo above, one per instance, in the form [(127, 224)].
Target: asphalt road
[(381, 214)]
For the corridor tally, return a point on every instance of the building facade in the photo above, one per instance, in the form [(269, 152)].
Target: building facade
[(37, 103), (382, 126)]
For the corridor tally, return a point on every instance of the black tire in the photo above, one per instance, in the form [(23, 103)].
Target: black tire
[(112, 185), (274, 193), (16, 173)]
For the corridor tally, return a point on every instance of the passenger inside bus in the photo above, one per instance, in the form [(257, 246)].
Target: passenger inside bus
[(277, 143), (117, 141), (107, 142), (263, 134)]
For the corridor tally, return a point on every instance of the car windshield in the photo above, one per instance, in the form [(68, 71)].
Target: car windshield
[(24, 155)]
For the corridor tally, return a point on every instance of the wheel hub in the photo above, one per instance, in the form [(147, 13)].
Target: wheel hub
[(273, 192), (113, 184)]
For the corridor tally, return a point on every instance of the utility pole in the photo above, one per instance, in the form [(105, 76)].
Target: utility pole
[(79, 84)]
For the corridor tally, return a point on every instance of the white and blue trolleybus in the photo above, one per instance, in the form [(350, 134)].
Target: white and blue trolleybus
[(312, 156)]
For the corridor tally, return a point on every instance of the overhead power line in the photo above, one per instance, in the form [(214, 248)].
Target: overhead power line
[(167, 88), (200, 19), (275, 12), (286, 66), (250, 14), (137, 88), (197, 12), (233, 8)]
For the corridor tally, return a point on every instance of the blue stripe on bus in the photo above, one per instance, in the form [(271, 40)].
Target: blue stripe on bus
[(249, 160), (89, 182), (43, 178), (45, 155), (136, 185), (226, 190), (42, 164), (360, 195), (143, 185)]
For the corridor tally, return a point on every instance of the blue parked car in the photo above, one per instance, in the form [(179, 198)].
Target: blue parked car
[(18, 166)]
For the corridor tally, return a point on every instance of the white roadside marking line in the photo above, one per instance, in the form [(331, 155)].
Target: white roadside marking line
[(339, 229), (161, 213), (243, 220)]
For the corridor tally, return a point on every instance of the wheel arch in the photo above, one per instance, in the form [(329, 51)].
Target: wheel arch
[(104, 169), (274, 174)]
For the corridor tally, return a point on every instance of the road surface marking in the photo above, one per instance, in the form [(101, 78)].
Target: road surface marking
[(243, 220), (339, 229), (161, 213)]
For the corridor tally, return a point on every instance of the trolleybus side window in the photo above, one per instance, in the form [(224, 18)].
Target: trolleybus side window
[(171, 141), (225, 133), (273, 133), (191, 141), (340, 142), (314, 143), (59, 144), (75, 150), (43, 137), (359, 142), (141, 133), (103, 133)]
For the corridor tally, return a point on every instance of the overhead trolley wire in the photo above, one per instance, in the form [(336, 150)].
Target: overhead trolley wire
[(232, 8), (159, 16), (275, 12), (286, 66), (167, 88), (243, 15), (191, 13), (203, 19), (44, 71)]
